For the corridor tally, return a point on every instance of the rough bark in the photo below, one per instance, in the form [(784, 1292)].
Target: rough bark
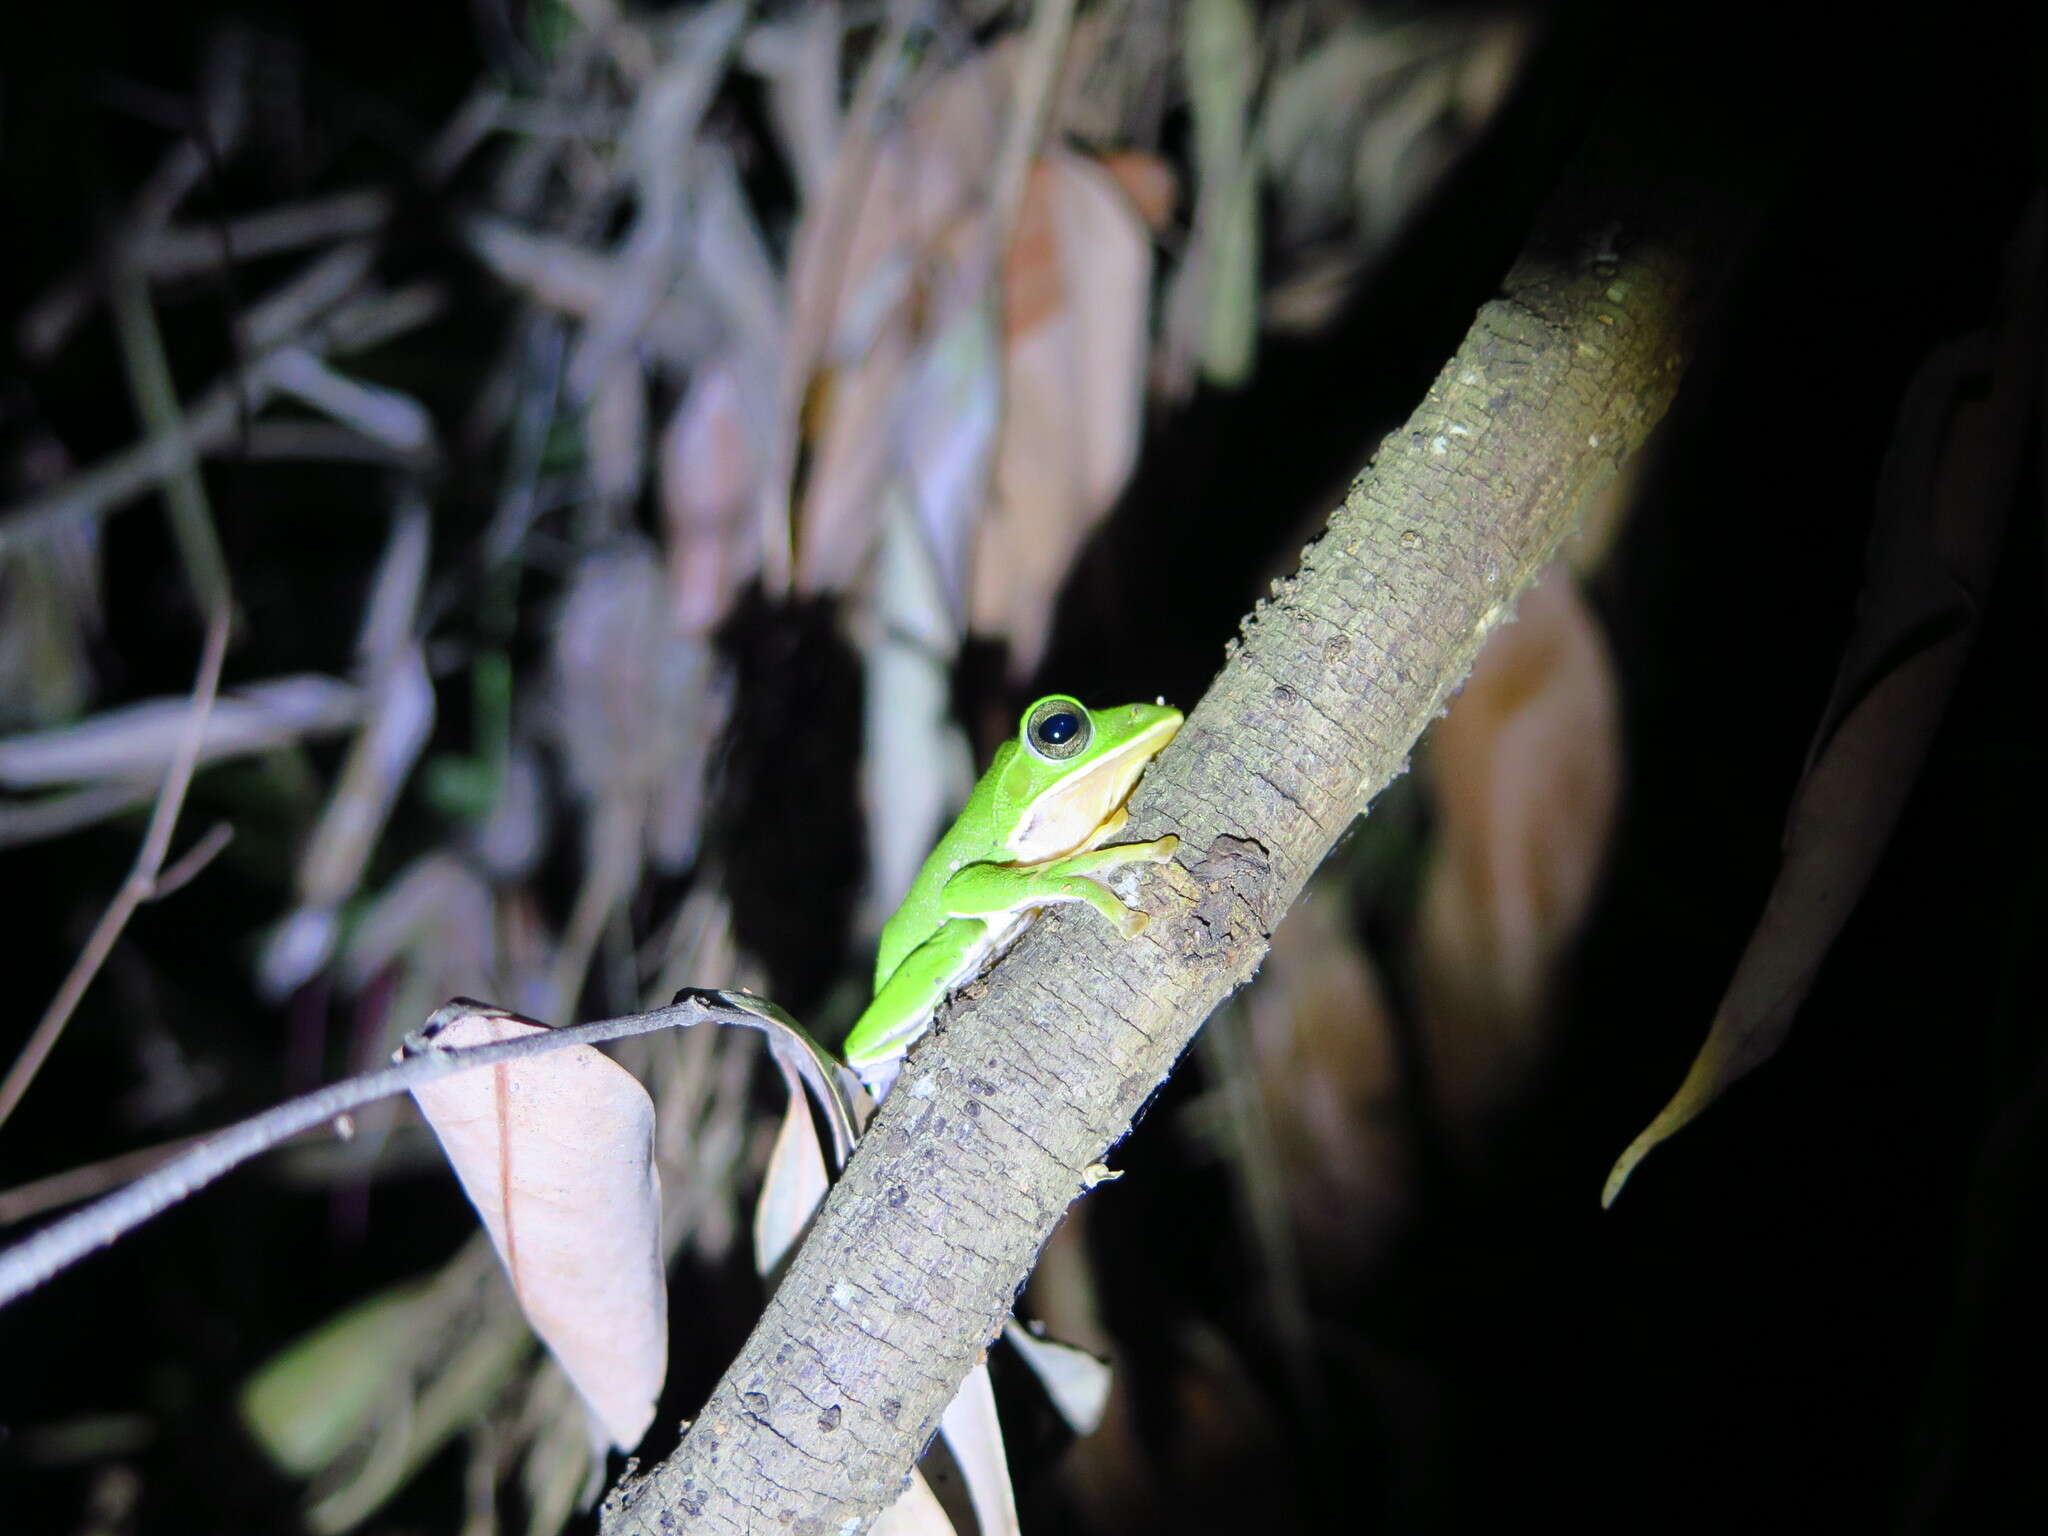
[(1035, 1073)]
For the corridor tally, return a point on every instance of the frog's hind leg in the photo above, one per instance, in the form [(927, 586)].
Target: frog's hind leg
[(902, 1009)]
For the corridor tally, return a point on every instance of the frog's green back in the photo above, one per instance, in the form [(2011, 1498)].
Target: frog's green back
[(970, 840)]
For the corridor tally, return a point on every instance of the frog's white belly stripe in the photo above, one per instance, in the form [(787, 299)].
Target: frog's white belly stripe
[(998, 934)]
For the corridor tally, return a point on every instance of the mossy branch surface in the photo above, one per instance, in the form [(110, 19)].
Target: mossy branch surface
[(1034, 1074)]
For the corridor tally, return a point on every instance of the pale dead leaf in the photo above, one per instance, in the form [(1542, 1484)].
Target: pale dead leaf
[(916, 1512), (398, 719), (513, 837), (856, 407), (732, 256), (135, 741), (1400, 154), (800, 59), (950, 407), (904, 382), (1077, 1382), (794, 1185), (1942, 504), (975, 1438), (1315, 112), (557, 1155), (1357, 131), (916, 764), (1526, 777)]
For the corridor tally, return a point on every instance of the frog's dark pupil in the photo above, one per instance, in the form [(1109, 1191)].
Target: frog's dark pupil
[(1054, 730)]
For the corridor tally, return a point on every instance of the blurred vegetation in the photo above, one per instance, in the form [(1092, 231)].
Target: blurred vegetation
[(652, 454)]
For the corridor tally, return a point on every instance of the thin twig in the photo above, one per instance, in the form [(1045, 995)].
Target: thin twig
[(63, 1243), (182, 251), (216, 415), (194, 859), (156, 398), (53, 317), (76, 1184), (139, 887), (149, 379)]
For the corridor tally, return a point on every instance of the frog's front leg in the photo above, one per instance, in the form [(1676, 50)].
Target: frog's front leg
[(991, 890)]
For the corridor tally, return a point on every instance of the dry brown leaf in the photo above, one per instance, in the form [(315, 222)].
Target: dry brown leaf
[(1526, 776), (710, 465), (1077, 287), (615, 434), (906, 383), (1147, 180), (868, 258), (557, 1155), (1934, 544), (636, 704), (1325, 1065)]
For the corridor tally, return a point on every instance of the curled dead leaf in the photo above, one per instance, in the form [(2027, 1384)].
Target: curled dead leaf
[(557, 1155), (1934, 543)]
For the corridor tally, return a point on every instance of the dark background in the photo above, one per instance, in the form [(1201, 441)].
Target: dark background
[(1816, 1308)]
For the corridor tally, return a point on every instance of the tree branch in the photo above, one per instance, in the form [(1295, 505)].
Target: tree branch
[(912, 1265)]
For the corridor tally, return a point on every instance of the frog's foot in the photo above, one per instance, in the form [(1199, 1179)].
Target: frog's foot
[(879, 1076)]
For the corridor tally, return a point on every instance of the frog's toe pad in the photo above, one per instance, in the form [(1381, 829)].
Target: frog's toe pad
[(1131, 924)]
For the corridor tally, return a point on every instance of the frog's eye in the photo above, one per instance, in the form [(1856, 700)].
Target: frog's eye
[(1058, 728)]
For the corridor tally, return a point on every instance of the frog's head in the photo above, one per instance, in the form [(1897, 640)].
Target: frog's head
[(1069, 767)]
